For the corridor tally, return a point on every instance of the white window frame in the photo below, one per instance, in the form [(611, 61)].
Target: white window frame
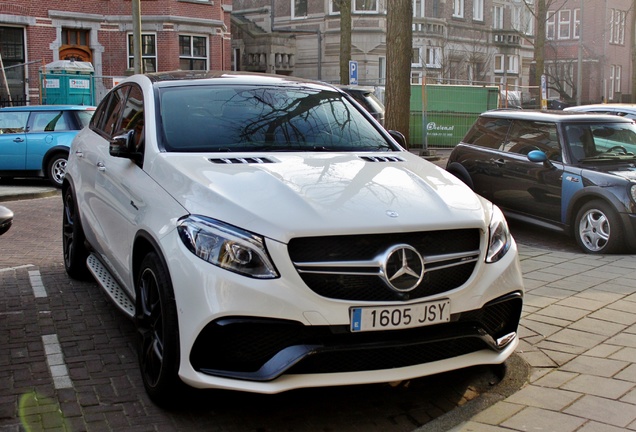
[(515, 18), (332, 10), (416, 78), (576, 23), (565, 20), (498, 17), (354, 7), (192, 56), (416, 52), (617, 27), (478, 10), (611, 80), (434, 57), (419, 8), (382, 70), (513, 64), (498, 63), (550, 25), (458, 8), (131, 56), (293, 9)]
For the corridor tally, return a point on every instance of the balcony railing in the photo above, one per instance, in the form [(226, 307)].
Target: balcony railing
[(506, 37)]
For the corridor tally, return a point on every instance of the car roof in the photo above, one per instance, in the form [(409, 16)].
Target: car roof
[(557, 116), (604, 107), (49, 108), (180, 78)]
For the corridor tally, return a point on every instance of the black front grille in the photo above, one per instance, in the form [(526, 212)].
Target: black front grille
[(439, 277), (262, 349)]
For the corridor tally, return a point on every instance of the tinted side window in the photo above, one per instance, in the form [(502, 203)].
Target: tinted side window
[(525, 136), (108, 115), (133, 117), (49, 121), (488, 132)]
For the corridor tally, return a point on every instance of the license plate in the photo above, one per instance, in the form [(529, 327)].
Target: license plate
[(399, 317)]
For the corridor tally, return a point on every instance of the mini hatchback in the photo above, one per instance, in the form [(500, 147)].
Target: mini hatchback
[(34, 140), (266, 234), (571, 172)]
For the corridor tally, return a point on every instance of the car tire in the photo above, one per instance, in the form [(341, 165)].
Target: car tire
[(73, 241), (56, 169), (158, 329), (598, 229)]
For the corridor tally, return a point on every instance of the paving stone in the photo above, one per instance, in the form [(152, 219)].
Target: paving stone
[(626, 354), (535, 419), (596, 326), (563, 312), (603, 410), (595, 366), (555, 379), (544, 397), (577, 338), (628, 374), (599, 427), (598, 386), (630, 397)]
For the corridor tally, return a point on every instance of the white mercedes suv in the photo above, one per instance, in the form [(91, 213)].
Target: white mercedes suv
[(266, 234)]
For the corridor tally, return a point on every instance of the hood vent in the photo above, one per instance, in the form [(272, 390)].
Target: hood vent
[(382, 158), (240, 160)]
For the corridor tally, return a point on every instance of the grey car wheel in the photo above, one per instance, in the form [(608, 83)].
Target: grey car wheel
[(598, 228), (57, 169)]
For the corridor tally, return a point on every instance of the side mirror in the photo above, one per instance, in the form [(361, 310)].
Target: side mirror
[(399, 137), (539, 156), (6, 219), (123, 146)]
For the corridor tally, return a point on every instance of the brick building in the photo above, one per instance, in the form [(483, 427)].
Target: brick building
[(602, 34), (176, 34)]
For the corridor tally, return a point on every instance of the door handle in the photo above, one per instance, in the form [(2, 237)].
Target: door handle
[(79, 153), (499, 162), (101, 166), (18, 140)]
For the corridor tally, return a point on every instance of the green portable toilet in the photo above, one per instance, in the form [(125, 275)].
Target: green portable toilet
[(67, 82)]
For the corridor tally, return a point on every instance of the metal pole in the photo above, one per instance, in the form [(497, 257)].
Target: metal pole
[(579, 72), (138, 66)]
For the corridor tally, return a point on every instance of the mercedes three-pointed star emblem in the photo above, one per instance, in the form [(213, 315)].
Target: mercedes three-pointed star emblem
[(402, 268)]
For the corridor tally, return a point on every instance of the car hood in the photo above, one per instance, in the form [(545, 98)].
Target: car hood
[(305, 194), (628, 173)]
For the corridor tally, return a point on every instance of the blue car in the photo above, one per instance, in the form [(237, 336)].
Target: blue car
[(35, 140)]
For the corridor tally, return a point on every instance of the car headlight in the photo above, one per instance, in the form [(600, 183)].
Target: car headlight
[(632, 190), (226, 246), (499, 236)]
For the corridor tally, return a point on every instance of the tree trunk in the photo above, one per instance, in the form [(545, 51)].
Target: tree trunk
[(345, 40), (399, 47)]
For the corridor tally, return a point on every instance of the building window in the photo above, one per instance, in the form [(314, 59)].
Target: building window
[(148, 52), (564, 24), (617, 26), (458, 8), (299, 8), (416, 57), (434, 57), (416, 77), (576, 32), (498, 17), (478, 10), (418, 9), (511, 62), (614, 81), (382, 70), (549, 25), (193, 52), (75, 45), (365, 6)]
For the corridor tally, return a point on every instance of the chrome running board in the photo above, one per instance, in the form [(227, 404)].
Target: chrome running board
[(110, 286)]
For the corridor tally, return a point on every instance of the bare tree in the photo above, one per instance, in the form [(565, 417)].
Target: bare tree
[(399, 37)]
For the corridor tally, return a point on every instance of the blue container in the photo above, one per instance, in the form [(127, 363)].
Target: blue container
[(66, 82)]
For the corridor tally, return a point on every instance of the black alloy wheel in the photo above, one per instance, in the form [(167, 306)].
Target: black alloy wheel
[(158, 329), (73, 240)]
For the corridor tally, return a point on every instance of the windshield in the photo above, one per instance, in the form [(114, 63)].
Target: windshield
[(258, 118), (599, 141)]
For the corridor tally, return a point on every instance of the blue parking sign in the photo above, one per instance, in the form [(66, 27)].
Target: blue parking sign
[(353, 72)]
